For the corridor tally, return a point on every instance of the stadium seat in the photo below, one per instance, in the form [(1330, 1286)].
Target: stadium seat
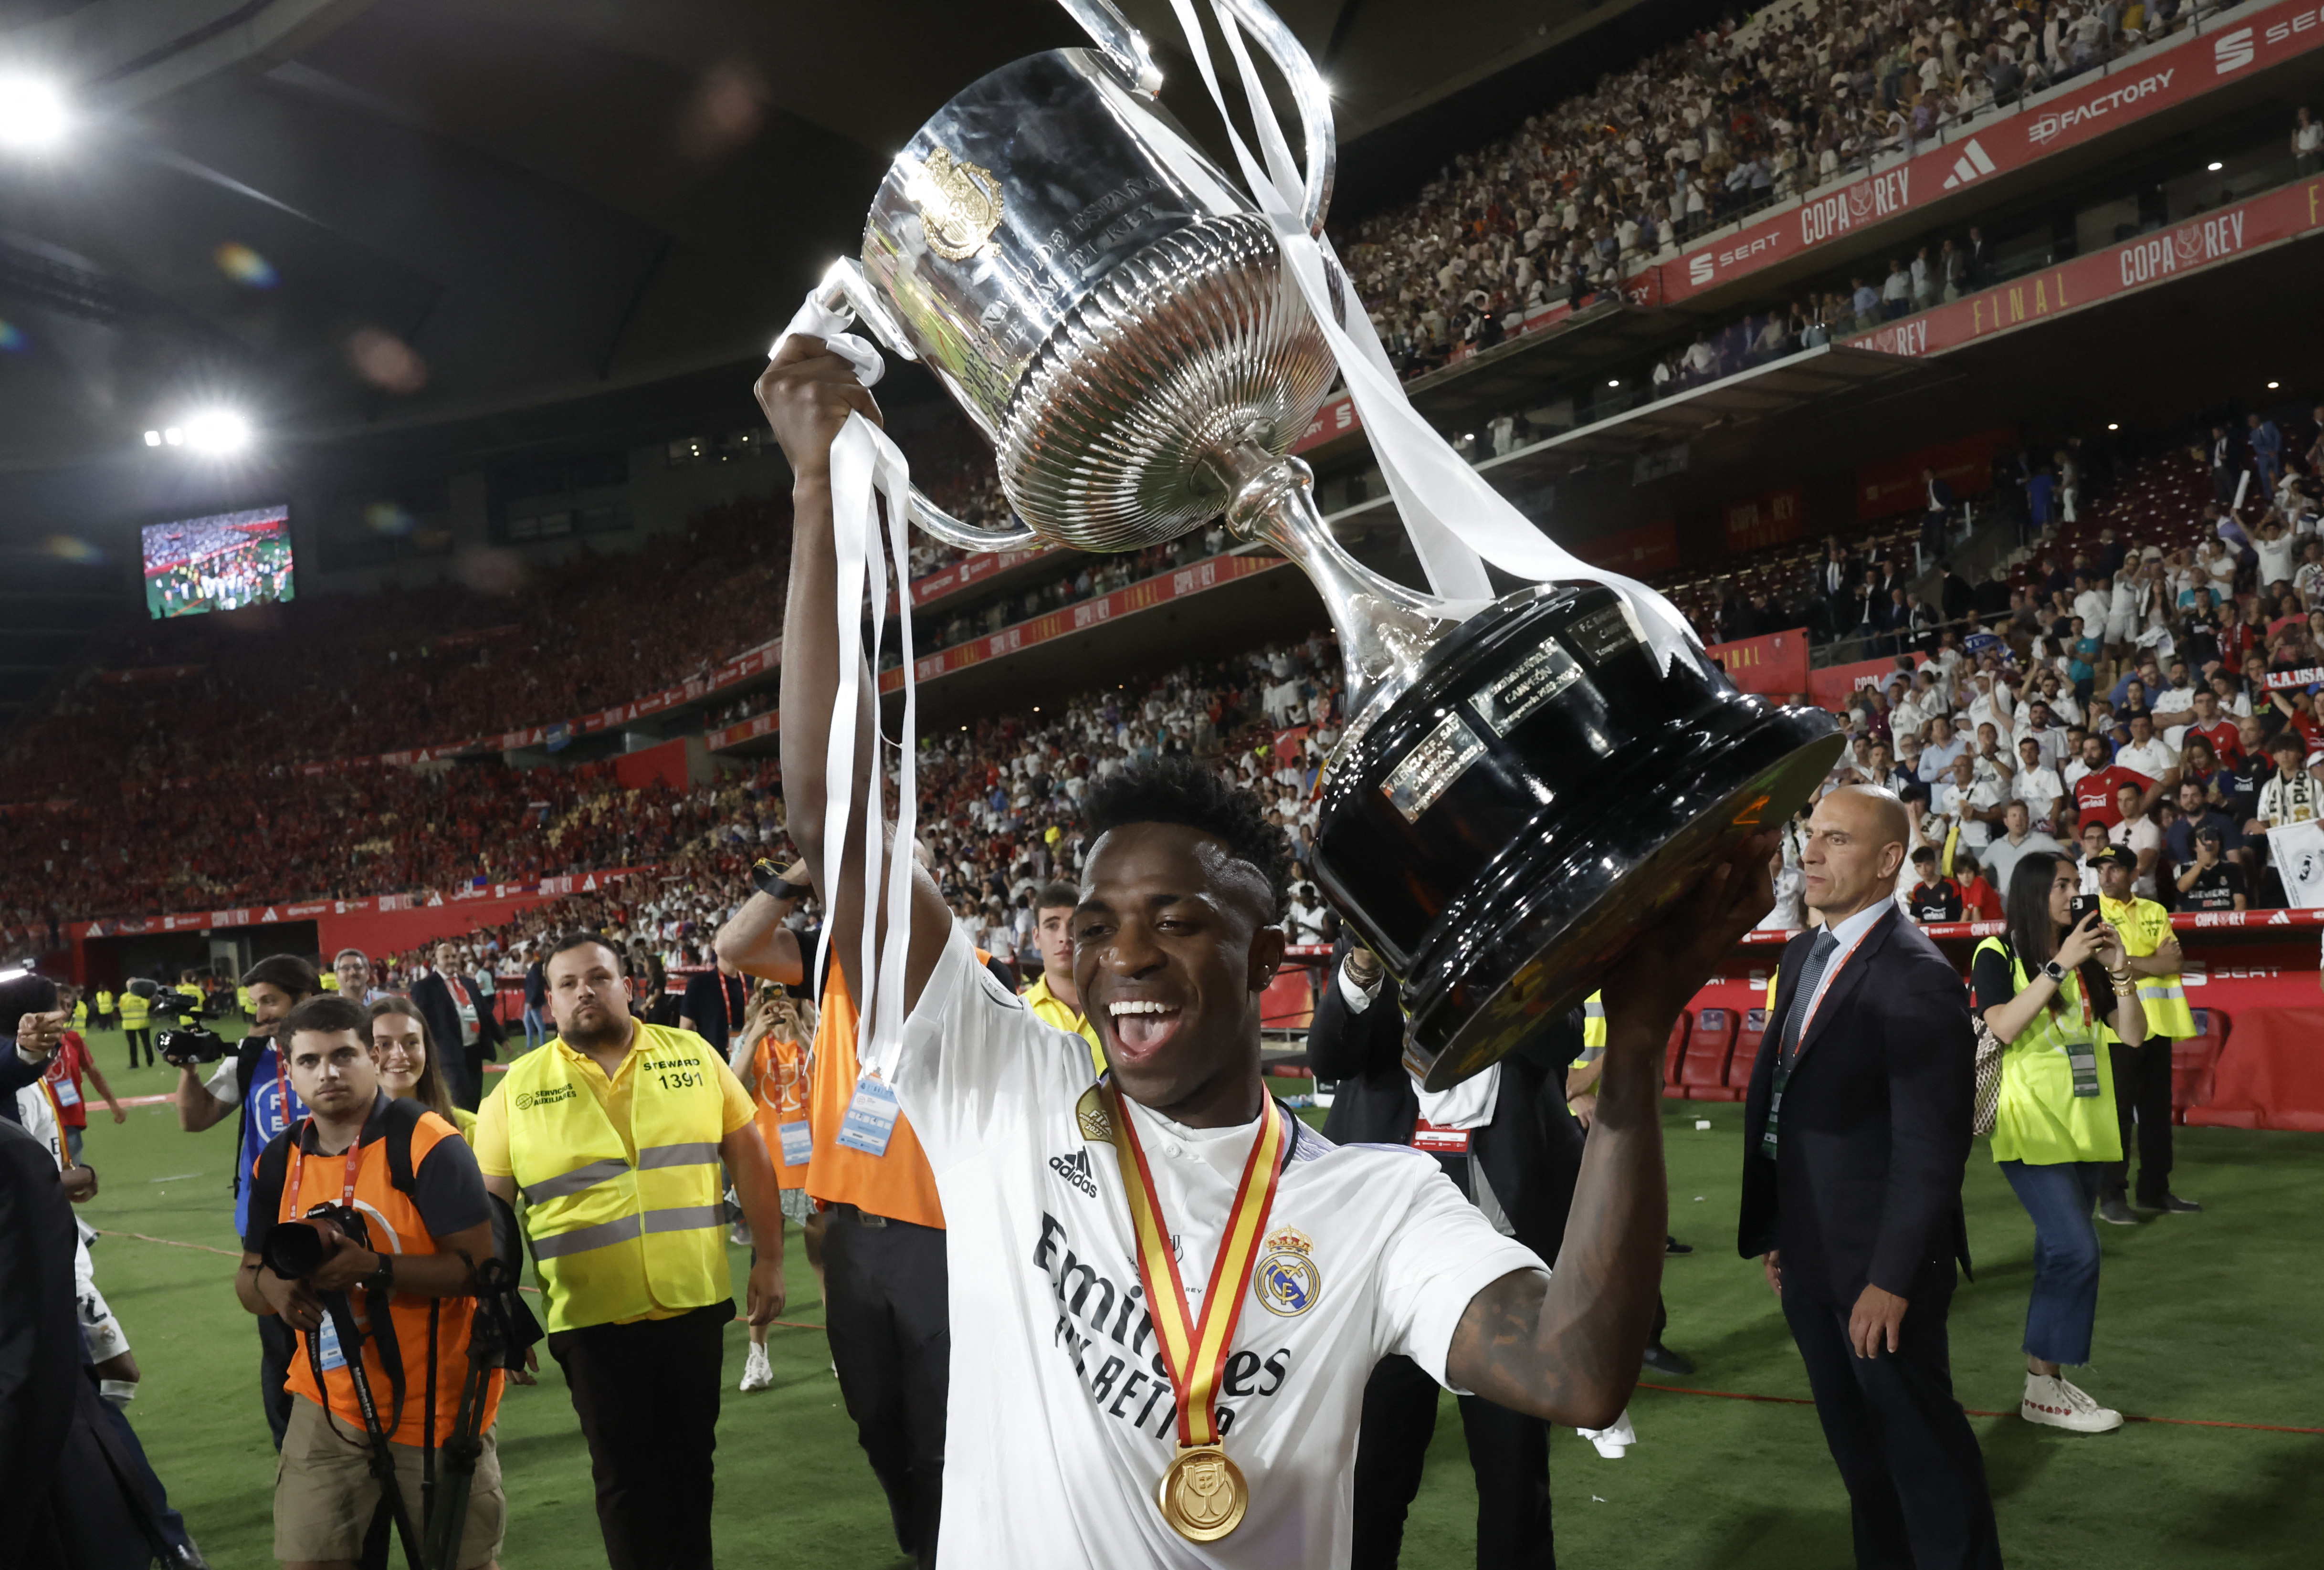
[(1703, 1067), (1675, 1052), (1747, 1053)]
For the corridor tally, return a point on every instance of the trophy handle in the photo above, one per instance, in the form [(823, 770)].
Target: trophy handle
[(1314, 100), (846, 288), (1125, 46), (1118, 41)]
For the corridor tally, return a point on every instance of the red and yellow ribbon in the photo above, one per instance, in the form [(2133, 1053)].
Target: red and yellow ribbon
[(1197, 1355)]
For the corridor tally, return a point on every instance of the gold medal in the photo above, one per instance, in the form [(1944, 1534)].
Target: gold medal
[(1203, 1495)]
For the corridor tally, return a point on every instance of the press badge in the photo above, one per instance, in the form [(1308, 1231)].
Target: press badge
[(799, 1143), (327, 1346), (871, 1121), (2085, 1064), (68, 1093)]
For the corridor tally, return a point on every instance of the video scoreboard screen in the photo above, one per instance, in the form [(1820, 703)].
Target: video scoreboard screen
[(220, 563)]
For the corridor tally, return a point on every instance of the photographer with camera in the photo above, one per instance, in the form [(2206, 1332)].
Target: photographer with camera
[(252, 1078), (382, 1198)]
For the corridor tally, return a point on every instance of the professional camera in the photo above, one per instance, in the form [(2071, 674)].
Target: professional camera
[(295, 1250), (188, 1044)]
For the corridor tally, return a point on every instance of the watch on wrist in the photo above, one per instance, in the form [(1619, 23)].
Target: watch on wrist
[(2054, 971), (382, 1279)]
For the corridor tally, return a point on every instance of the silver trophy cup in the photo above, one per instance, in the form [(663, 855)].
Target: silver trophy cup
[(1518, 790)]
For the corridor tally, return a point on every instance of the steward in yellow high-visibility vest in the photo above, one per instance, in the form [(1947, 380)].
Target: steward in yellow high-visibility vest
[(104, 1004), (614, 1132), (137, 1024), (2142, 1074)]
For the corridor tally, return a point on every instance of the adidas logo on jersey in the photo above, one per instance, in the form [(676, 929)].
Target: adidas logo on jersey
[(1074, 1168)]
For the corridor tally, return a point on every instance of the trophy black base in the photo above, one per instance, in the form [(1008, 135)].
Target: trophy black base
[(1501, 830)]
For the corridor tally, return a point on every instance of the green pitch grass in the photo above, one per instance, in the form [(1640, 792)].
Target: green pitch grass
[(2209, 1317)]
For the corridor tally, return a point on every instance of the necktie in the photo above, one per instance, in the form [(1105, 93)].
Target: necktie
[(1795, 1015)]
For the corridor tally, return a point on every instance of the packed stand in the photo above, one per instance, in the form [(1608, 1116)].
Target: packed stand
[(1700, 134)]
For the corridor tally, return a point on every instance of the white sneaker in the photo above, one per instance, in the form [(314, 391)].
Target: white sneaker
[(758, 1374), (2062, 1404), (1614, 1442)]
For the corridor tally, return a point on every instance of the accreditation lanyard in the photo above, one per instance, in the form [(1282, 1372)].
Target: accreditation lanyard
[(298, 1166), (64, 1154), (1767, 1140), (1202, 1494)]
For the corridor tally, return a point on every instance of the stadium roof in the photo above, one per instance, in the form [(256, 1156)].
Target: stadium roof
[(353, 217)]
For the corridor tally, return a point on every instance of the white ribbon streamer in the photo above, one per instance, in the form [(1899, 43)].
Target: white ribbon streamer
[(867, 469), (1452, 514)]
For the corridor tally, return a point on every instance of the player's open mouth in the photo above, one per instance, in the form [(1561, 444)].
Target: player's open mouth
[(1143, 1025)]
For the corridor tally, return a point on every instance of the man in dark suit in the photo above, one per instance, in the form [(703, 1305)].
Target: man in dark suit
[(1506, 1139), (463, 1024), (1858, 1130)]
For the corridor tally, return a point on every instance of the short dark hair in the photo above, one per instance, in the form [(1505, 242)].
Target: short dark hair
[(330, 1014), (31, 993), (1924, 853), (1055, 894), (1179, 790), (580, 938), (286, 971)]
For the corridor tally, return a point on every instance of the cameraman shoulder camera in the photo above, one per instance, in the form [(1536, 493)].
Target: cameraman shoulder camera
[(278, 983), (381, 1199)]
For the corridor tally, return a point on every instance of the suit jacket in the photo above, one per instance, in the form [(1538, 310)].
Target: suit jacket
[(1531, 1152), (1875, 1135), (432, 997)]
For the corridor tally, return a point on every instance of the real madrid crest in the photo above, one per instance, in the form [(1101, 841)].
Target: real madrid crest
[(1286, 1279), (959, 203)]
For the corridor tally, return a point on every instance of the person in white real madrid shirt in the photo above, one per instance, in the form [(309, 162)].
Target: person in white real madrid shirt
[(1178, 1290)]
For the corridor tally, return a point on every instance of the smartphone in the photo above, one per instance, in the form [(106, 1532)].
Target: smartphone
[(2081, 908)]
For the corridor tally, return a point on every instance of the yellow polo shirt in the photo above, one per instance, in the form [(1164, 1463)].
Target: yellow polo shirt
[(1050, 1009)]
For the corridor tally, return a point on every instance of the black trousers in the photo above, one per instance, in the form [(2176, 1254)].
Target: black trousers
[(140, 1038), (470, 1096), (647, 1395), (2141, 1085), (1915, 1477), (278, 1344), (1508, 1451), (890, 1330)]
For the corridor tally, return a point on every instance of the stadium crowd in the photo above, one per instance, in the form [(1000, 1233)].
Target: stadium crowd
[(1702, 133)]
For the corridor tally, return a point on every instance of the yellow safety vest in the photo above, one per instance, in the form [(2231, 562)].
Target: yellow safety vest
[(80, 1014), (2144, 926), (1050, 1009), (2039, 1120), (241, 999), (103, 1002), (612, 1238), (134, 1010), (191, 993)]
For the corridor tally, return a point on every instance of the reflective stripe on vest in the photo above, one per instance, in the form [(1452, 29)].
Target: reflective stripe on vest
[(612, 1238), (2144, 926)]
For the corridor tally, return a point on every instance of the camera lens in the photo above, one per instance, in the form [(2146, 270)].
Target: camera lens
[(294, 1250)]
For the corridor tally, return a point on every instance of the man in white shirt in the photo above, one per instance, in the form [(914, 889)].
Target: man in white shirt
[(2147, 753), (1972, 803), (2137, 831), (2036, 784), (1109, 1435)]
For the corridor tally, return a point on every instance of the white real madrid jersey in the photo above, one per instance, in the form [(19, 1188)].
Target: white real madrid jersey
[(1061, 1415)]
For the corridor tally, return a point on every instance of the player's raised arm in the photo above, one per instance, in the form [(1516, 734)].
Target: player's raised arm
[(1568, 1347), (809, 393)]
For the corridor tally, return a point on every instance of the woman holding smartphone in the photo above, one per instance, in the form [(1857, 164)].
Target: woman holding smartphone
[(2044, 991)]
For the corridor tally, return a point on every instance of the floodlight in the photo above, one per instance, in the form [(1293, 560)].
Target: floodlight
[(219, 431), (32, 113), (174, 437), (152, 438), (2214, 166)]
